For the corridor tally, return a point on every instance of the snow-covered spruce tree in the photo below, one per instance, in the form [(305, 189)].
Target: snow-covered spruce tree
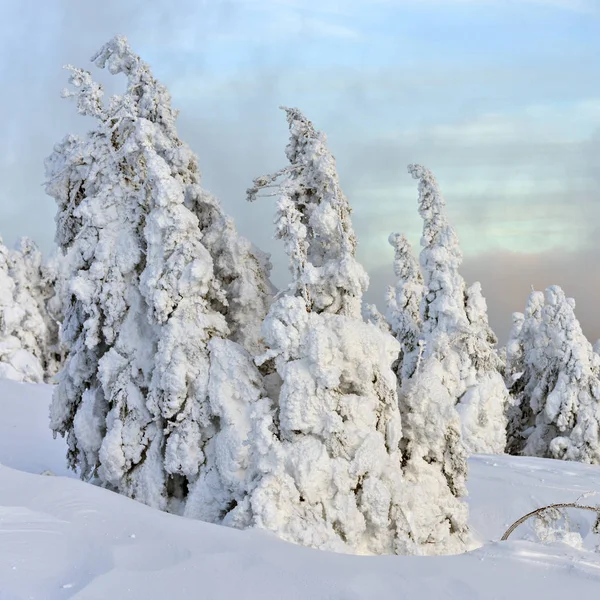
[(403, 304), (434, 456), (325, 453), (560, 404), (144, 302), (38, 332), (455, 328), (521, 373), (17, 360)]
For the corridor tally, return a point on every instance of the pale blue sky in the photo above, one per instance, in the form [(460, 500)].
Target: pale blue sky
[(500, 98)]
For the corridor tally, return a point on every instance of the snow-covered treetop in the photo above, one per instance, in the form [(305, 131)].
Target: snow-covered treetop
[(313, 219), (443, 306), (150, 99)]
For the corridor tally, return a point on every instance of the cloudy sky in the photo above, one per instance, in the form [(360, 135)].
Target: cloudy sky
[(500, 98)]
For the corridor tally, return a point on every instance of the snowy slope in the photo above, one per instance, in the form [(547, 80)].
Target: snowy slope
[(61, 538)]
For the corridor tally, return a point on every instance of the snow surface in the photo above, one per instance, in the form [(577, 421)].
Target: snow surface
[(62, 538)]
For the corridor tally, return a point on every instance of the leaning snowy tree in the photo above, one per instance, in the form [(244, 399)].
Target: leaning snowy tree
[(241, 269), (403, 304), (456, 336), (559, 387), (325, 465), (144, 299)]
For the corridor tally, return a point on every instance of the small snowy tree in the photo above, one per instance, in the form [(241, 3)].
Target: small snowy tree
[(145, 296), (17, 360), (38, 332), (326, 453), (454, 321), (559, 388)]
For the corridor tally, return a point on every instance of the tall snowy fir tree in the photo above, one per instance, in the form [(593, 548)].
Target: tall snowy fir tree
[(325, 461), (559, 387), (455, 335), (145, 297), (326, 458)]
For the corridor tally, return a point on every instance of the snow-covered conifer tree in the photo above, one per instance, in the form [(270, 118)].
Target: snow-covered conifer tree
[(97, 228), (372, 315), (455, 328), (17, 360), (522, 375), (145, 297), (403, 303), (560, 397), (514, 350), (326, 456)]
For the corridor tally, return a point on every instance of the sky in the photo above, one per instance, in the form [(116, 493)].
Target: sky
[(500, 98)]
